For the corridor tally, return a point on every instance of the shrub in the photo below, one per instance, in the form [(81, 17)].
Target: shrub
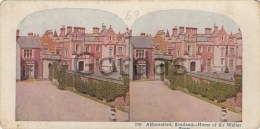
[(79, 85), (91, 89), (238, 83), (213, 91)]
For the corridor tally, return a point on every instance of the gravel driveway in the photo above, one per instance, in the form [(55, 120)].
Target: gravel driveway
[(41, 101), (153, 101)]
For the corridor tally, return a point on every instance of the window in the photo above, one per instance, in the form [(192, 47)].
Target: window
[(222, 38), (140, 53), (189, 48), (209, 62), (77, 48), (97, 48), (66, 52), (27, 53), (209, 49), (222, 51), (231, 63), (199, 49), (110, 38), (58, 52), (169, 52), (222, 60), (120, 49), (119, 62), (97, 61), (178, 53), (110, 51), (110, 60), (232, 50), (87, 48)]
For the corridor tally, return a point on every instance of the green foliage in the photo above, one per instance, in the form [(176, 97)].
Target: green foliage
[(68, 80), (59, 75), (79, 84), (211, 90), (100, 90), (238, 83), (91, 89)]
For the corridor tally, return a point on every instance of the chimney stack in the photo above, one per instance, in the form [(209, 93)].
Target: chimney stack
[(17, 33), (142, 34), (207, 30), (95, 30), (175, 31), (69, 29), (30, 34), (103, 26), (181, 30), (62, 31), (215, 27)]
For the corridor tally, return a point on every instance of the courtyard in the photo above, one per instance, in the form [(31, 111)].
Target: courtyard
[(153, 101), (42, 101)]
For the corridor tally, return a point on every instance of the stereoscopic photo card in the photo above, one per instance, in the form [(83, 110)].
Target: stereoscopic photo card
[(130, 64)]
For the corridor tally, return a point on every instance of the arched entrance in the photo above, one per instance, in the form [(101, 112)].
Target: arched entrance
[(50, 68), (192, 66), (81, 65)]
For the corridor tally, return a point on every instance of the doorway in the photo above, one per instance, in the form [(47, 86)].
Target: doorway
[(192, 66), (81, 65)]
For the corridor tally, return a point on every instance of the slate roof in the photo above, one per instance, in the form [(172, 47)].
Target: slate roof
[(29, 42), (104, 32), (140, 42)]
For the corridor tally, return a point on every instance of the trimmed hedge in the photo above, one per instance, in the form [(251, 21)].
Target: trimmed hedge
[(212, 90), (101, 90)]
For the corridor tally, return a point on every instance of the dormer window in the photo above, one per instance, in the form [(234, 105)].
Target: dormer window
[(110, 38)]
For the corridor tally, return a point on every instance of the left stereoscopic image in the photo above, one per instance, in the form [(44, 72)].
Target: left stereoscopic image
[(71, 66)]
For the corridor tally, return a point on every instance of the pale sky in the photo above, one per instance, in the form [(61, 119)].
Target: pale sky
[(54, 18), (167, 19), (40, 21)]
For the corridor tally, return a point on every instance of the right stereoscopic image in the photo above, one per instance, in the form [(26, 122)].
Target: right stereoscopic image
[(187, 67)]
